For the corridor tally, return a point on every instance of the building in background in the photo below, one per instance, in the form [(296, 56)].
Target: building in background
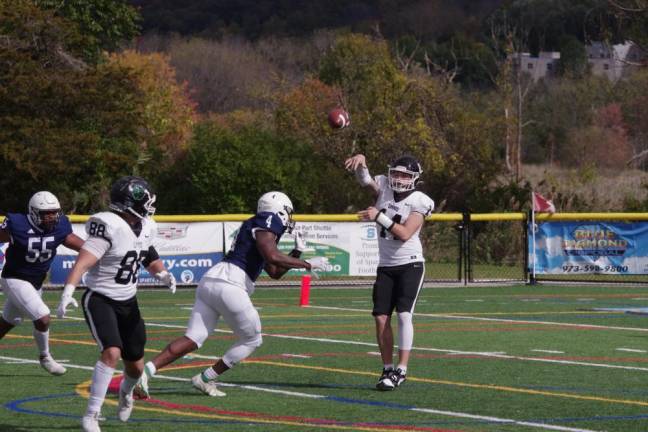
[(611, 61)]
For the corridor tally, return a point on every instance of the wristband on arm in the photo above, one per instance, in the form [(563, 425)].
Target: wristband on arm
[(362, 175), (295, 253), (384, 221)]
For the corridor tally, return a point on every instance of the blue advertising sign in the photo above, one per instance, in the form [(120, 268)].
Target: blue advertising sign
[(187, 269), (187, 249), (590, 247)]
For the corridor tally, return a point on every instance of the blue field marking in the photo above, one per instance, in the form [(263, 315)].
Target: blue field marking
[(16, 406)]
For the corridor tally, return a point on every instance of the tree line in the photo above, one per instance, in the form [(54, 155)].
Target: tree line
[(214, 120)]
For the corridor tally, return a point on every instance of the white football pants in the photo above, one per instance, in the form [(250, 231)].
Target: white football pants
[(23, 300), (216, 298)]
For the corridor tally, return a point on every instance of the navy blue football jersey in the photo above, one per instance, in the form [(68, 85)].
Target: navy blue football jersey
[(31, 251), (244, 252)]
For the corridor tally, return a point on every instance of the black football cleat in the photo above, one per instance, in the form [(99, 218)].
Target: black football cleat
[(386, 383)]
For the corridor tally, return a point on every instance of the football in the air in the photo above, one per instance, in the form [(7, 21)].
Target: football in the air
[(338, 118)]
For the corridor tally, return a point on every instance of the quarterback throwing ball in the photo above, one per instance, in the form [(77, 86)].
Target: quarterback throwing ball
[(399, 213)]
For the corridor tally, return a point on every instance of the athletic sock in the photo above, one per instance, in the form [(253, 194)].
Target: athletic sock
[(209, 374), (150, 369), (388, 366), (42, 342), (128, 384), (101, 377)]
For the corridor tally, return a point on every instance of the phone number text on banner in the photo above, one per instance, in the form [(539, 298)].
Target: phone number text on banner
[(590, 247)]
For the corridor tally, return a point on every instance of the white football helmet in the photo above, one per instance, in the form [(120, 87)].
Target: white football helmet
[(404, 173), (280, 204), (43, 201)]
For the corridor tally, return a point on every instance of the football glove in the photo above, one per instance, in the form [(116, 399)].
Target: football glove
[(167, 279), (318, 263), (66, 300), (300, 241)]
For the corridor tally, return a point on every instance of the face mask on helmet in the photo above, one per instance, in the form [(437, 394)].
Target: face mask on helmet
[(132, 195), (404, 173), (280, 204), (44, 210)]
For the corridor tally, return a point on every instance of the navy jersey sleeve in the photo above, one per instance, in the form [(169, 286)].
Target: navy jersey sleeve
[(64, 226), (268, 222)]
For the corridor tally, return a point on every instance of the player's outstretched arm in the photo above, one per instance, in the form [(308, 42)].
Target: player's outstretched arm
[(358, 165), (73, 242), (276, 262), (84, 261), (402, 232)]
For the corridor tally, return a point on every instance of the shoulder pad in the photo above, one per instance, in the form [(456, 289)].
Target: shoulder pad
[(105, 225), (422, 203), (268, 222)]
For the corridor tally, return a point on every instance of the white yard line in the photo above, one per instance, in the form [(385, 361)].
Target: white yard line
[(296, 356), (472, 318), (631, 350), (439, 350), (548, 351), (324, 397)]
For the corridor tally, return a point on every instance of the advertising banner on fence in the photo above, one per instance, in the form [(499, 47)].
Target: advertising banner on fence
[(591, 247), (352, 248), (187, 249)]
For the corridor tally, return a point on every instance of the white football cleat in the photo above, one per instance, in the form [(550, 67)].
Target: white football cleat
[(125, 406), (52, 366), (141, 389), (209, 387), (90, 423)]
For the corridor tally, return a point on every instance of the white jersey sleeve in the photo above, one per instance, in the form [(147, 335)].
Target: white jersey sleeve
[(422, 204), (115, 274)]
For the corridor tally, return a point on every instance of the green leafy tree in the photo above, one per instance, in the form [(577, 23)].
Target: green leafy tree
[(104, 24), (230, 168), (391, 113), (573, 58), (72, 127)]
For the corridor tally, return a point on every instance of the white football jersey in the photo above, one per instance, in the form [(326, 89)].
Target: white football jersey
[(115, 274), (393, 251)]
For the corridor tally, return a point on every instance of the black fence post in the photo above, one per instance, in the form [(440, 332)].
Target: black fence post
[(461, 242), (528, 274), (466, 235)]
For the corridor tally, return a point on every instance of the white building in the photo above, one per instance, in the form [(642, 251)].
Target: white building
[(613, 62), (544, 65)]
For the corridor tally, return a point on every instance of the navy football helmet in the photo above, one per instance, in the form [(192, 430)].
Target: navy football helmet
[(404, 173), (132, 195)]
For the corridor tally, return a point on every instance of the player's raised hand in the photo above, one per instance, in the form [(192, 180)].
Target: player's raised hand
[(300, 241), (167, 278), (66, 300), (354, 162)]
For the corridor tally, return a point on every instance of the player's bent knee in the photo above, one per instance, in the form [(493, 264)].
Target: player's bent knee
[(197, 336), (110, 356), (256, 342), (42, 324)]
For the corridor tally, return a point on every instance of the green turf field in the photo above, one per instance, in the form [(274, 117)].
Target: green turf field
[(520, 358)]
